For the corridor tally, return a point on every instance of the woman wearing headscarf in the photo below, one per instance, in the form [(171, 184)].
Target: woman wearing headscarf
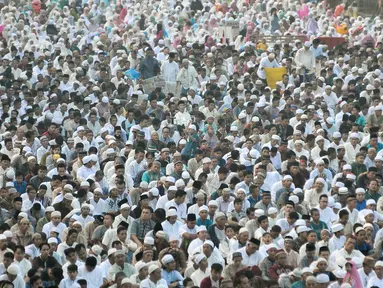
[(352, 276)]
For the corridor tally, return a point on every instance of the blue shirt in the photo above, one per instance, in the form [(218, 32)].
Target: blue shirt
[(205, 223), (380, 147), (173, 276), (360, 205), (21, 188)]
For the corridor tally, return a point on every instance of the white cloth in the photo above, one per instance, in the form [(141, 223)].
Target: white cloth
[(94, 278)]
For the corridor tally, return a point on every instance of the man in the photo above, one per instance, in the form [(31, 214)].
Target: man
[(250, 254), (215, 278), (268, 261), (171, 225), (142, 226), (169, 272), (72, 278), (187, 77), (366, 273), (155, 278), (280, 266), (351, 209), (377, 281), (327, 215), (120, 266), (217, 230), (92, 273), (305, 61), (338, 239), (13, 276), (348, 252), (169, 69), (179, 203), (309, 257), (149, 66), (24, 264), (54, 223), (312, 196)]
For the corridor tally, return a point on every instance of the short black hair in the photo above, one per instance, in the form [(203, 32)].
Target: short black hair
[(217, 267)]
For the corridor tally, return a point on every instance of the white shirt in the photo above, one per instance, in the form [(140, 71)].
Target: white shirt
[(84, 172), (184, 229), (353, 216), (250, 260), (198, 275), (181, 209), (25, 265), (172, 229), (60, 227), (341, 256), (284, 224), (327, 215), (99, 207), (182, 118), (67, 283), (336, 243), (94, 278), (169, 70), (83, 220), (194, 244), (265, 63), (18, 282), (32, 250), (364, 277), (162, 201), (375, 281), (147, 283)]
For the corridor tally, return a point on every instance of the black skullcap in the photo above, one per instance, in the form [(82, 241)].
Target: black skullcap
[(306, 217), (144, 196), (223, 186), (123, 201), (124, 224), (18, 199), (191, 217), (290, 202), (99, 218), (255, 241), (372, 169)]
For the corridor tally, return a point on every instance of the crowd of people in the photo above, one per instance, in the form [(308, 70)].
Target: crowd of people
[(216, 176)]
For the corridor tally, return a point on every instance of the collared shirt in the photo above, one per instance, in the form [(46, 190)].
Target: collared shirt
[(173, 276), (342, 255), (198, 276), (250, 260), (375, 281), (181, 208), (147, 283), (140, 228), (128, 269), (67, 283), (364, 277)]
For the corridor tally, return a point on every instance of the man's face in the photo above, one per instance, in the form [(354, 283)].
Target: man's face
[(350, 244), (72, 274)]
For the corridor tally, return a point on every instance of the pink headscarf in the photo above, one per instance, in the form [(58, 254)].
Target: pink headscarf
[(353, 278)]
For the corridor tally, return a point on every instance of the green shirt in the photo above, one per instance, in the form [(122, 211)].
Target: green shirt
[(318, 227), (374, 196)]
